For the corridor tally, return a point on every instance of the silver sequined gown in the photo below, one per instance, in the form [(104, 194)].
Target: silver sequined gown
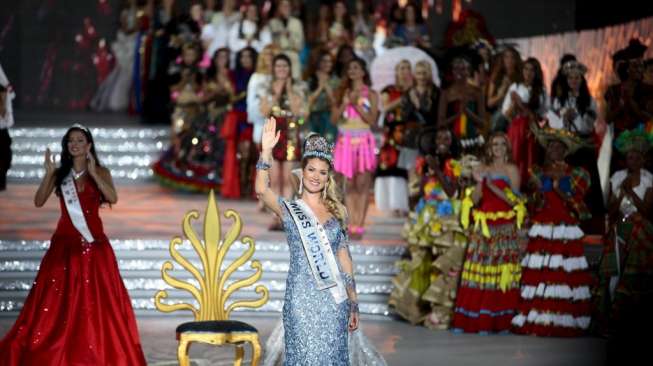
[(315, 326)]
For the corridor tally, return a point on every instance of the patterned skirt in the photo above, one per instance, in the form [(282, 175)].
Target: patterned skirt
[(489, 286), (622, 307)]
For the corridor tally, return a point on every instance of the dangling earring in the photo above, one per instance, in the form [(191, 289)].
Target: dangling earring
[(324, 191), (301, 185)]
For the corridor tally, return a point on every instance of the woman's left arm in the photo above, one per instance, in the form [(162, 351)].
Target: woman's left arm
[(102, 178), (347, 266), (369, 116)]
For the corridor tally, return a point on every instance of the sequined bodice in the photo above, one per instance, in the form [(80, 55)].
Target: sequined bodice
[(315, 326)]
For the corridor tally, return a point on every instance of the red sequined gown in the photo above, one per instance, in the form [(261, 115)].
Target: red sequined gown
[(78, 311)]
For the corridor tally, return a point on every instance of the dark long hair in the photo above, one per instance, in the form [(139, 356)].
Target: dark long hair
[(340, 66), (310, 75), (537, 86), (239, 65), (345, 84), (560, 81), (259, 22), (212, 71), (584, 97), (499, 67), (66, 163)]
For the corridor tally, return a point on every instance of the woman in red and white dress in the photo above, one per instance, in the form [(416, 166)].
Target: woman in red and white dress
[(555, 284), (78, 311)]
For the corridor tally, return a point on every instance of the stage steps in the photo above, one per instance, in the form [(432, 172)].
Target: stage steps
[(127, 151), (140, 264)]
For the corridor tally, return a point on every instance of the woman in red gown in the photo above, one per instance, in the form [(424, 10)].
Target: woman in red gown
[(78, 311), (556, 281), (488, 293)]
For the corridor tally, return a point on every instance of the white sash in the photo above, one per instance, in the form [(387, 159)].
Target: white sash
[(74, 207), (318, 251)]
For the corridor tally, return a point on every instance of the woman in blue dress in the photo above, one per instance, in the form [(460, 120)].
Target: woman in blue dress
[(320, 301)]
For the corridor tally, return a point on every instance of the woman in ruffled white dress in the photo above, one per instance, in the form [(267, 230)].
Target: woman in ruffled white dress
[(113, 93)]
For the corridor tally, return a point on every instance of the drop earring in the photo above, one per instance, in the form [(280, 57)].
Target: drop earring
[(324, 191), (301, 185)]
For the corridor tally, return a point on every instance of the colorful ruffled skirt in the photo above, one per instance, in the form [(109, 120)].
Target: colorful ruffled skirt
[(489, 286)]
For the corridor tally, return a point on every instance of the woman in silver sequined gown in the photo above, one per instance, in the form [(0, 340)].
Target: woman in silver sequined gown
[(316, 327)]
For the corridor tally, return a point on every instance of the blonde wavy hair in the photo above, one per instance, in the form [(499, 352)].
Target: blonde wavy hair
[(399, 64), (262, 64), (334, 197)]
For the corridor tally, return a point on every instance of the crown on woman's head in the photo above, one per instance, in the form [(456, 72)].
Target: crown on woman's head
[(316, 146), (574, 67), (80, 127)]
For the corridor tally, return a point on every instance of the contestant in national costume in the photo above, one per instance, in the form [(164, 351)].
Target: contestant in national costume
[(489, 286), (555, 284), (78, 311), (625, 292), (320, 304)]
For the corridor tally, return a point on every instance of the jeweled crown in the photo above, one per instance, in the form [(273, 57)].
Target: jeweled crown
[(317, 146)]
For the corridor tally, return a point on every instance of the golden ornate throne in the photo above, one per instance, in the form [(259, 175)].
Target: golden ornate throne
[(212, 324)]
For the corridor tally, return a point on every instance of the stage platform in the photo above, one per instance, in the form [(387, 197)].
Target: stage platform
[(147, 216)]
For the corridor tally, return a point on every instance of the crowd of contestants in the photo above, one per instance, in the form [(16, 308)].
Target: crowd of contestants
[(495, 172)]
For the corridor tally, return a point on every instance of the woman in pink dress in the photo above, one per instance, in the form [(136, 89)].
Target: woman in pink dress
[(355, 110)]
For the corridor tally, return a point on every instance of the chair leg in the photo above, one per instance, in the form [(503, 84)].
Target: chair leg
[(240, 354), (256, 352), (182, 353)]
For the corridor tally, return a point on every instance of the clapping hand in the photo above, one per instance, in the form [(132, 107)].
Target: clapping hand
[(48, 162), (270, 134)]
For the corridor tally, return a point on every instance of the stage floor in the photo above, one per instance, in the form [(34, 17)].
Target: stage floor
[(146, 210), (400, 343), (150, 211)]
